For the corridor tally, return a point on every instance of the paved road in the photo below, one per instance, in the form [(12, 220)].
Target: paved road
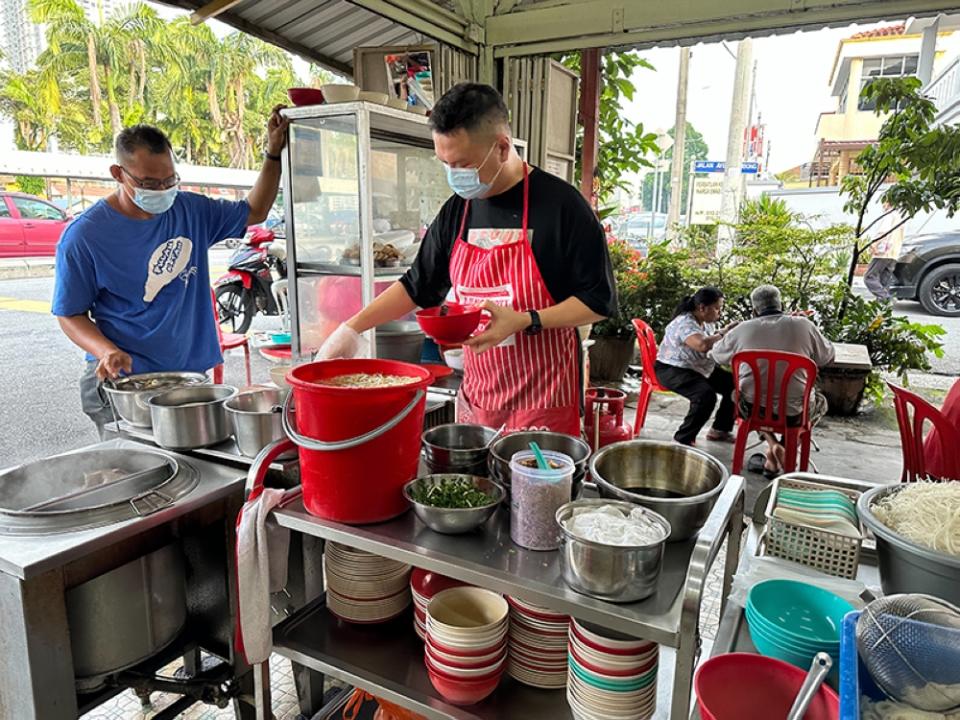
[(41, 415)]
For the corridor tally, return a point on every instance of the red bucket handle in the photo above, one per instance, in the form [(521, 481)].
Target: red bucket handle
[(323, 446), (261, 463)]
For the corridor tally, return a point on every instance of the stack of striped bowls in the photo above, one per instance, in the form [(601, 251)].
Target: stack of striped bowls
[(538, 645), (364, 588), (423, 586), (612, 676)]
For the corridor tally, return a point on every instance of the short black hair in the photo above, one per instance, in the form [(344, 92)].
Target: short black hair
[(141, 136), (471, 107)]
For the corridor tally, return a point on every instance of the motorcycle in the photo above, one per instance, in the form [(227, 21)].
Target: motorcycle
[(245, 289)]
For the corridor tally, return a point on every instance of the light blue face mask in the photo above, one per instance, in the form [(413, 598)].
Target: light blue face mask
[(466, 182), (154, 202)]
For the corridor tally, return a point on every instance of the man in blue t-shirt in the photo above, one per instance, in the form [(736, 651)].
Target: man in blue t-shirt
[(132, 278)]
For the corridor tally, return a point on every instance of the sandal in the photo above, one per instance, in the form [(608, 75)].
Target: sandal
[(721, 436), (755, 463)]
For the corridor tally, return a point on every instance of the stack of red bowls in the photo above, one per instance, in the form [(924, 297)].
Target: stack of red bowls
[(466, 645), (423, 586), (538, 645)]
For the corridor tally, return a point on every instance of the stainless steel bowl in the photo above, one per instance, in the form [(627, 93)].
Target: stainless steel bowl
[(680, 483), (457, 448), (616, 573), (191, 417), (906, 567), (454, 521), (401, 340), (256, 420), (130, 401), (503, 450)]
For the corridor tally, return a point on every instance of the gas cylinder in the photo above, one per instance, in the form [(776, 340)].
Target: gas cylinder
[(603, 417)]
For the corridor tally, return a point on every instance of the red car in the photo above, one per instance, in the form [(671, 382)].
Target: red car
[(29, 226)]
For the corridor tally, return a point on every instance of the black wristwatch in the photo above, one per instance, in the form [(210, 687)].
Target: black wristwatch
[(275, 158), (536, 327)]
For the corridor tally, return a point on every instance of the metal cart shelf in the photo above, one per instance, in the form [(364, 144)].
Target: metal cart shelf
[(489, 559)]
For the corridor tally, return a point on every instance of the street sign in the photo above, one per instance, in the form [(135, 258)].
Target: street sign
[(708, 166), (718, 166), (706, 201)]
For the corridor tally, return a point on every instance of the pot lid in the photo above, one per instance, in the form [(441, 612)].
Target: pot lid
[(89, 488)]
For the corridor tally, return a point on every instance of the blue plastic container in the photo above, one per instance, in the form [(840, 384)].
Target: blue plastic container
[(854, 678)]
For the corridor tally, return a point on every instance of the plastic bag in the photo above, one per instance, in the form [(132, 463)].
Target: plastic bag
[(386, 711), (769, 568)]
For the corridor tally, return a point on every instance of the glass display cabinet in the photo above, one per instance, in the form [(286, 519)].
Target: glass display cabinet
[(361, 186)]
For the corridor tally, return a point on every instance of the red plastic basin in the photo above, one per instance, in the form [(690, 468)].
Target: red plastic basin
[(450, 329), (744, 686), (305, 96)]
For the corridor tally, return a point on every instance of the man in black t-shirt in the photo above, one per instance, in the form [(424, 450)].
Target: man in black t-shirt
[(525, 246)]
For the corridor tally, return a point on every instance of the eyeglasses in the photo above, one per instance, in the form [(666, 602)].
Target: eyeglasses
[(151, 184)]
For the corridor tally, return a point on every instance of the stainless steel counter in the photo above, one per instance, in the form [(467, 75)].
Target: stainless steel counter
[(29, 556), (489, 559)]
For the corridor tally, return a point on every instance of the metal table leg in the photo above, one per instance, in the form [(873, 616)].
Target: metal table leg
[(263, 703)]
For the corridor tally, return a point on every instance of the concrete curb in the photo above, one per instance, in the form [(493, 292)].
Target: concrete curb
[(12, 268)]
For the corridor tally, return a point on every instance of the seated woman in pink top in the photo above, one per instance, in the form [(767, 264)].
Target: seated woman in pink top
[(933, 450)]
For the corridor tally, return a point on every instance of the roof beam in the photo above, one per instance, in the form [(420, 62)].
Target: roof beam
[(425, 17), (546, 28), (211, 10)]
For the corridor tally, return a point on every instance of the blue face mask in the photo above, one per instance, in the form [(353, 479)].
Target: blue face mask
[(155, 202), (466, 182)]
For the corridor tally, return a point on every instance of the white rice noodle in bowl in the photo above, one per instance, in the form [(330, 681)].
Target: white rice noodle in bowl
[(369, 380), (925, 513)]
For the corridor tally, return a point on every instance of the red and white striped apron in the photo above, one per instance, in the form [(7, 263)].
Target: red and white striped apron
[(529, 382)]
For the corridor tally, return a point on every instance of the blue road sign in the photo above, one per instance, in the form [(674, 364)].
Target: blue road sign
[(718, 166)]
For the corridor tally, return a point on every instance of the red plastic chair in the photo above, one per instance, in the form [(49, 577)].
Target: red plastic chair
[(766, 418), (229, 341), (913, 412), (648, 380)]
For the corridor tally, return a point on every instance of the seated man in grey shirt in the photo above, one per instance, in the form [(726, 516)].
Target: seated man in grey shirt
[(771, 329)]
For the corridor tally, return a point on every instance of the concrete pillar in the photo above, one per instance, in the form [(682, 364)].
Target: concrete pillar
[(730, 204), (928, 50), (678, 166)]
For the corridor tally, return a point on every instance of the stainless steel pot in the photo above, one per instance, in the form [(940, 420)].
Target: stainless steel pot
[(906, 567), (457, 449), (257, 419), (126, 615), (129, 394), (610, 572), (680, 483), (191, 417), (401, 341), (503, 450)]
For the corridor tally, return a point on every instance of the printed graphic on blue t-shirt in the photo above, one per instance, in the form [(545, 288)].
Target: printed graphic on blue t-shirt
[(146, 283)]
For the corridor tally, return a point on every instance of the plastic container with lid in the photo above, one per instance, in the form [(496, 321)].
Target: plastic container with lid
[(536, 495)]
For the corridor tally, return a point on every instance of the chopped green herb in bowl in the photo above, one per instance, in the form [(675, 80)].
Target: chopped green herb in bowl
[(458, 492)]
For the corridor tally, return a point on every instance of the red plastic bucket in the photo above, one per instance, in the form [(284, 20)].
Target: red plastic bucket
[(358, 446)]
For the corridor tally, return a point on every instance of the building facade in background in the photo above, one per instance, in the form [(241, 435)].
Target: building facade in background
[(885, 52), (22, 41)]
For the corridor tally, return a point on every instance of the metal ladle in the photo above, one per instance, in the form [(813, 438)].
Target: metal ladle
[(819, 669)]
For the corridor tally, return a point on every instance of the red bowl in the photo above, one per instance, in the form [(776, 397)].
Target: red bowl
[(305, 96), (450, 329), (744, 686), (428, 583), (462, 692)]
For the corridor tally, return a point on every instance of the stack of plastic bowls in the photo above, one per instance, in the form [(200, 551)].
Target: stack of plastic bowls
[(423, 586), (365, 588), (466, 645), (612, 677), (793, 621), (538, 645)]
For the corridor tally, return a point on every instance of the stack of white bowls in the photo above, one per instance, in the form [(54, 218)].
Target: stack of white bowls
[(466, 645), (364, 588), (538, 645), (423, 586), (612, 676)]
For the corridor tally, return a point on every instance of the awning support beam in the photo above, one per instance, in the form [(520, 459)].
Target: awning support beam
[(425, 17)]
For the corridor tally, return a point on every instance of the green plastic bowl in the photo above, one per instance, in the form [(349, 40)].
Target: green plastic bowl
[(799, 611), (772, 631), (612, 685)]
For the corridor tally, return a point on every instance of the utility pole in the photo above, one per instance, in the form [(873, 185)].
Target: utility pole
[(738, 120), (678, 167)]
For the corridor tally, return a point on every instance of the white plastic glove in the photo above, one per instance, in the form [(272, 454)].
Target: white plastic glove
[(344, 343)]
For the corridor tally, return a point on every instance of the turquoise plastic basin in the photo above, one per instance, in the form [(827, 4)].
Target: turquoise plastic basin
[(799, 611)]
